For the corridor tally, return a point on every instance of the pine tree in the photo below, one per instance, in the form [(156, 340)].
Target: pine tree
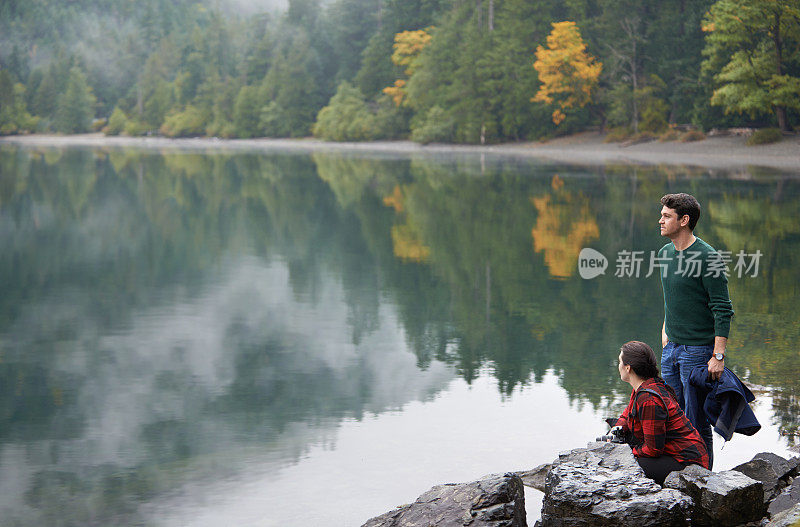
[(52, 84), (246, 112), (294, 86), (753, 49), (377, 70), (75, 108), (520, 26), (14, 116), (352, 23), (394, 16)]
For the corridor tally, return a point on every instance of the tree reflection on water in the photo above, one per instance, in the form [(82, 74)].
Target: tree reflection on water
[(237, 257)]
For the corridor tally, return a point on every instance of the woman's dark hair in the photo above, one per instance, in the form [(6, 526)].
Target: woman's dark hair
[(641, 358)]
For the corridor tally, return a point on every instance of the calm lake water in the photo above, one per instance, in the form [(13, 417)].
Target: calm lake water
[(208, 339)]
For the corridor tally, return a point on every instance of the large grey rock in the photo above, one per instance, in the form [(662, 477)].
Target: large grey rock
[(794, 463), (765, 472), (683, 479), (788, 498), (493, 501), (535, 478), (787, 518), (603, 485), (721, 499), (772, 470), (782, 465)]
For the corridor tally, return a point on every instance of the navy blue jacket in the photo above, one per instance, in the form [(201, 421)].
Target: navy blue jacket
[(725, 402)]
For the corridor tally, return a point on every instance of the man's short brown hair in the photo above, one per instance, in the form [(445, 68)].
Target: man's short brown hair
[(684, 205)]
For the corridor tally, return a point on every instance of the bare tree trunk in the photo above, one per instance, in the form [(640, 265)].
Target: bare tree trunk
[(491, 15), (783, 119), (628, 57), (673, 113), (479, 8), (780, 111), (631, 27)]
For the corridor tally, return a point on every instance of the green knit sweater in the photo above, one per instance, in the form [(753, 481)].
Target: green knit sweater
[(697, 306)]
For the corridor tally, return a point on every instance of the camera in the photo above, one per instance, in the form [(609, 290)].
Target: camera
[(615, 435)]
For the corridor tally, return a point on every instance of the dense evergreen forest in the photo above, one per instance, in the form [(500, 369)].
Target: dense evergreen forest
[(471, 71)]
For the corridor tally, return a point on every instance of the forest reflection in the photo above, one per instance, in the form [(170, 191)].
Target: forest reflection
[(478, 260), (487, 259)]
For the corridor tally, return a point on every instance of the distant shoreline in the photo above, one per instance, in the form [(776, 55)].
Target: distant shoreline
[(586, 148)]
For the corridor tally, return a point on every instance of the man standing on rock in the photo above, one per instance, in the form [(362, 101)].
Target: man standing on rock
[(697, 307)]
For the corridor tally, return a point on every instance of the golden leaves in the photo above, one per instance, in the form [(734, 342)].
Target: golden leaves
[(396, 92), (407, 245), (395, 199), (568, 74), (407, 47), (564, 226)]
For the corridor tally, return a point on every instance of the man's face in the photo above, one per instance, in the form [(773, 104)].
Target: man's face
[(670, 223)]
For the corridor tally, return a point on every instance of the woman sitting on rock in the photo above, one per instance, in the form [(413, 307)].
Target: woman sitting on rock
[(662, 438)]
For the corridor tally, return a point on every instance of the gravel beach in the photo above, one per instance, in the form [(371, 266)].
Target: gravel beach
[(586, 148)]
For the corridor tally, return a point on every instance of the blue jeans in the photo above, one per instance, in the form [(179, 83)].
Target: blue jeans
[(677, 362)]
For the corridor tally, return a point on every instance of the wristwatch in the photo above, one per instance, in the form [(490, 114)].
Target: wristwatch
[(719, 356)]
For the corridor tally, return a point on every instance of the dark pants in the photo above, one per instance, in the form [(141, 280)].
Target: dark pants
[(677, 361), (658, 468)]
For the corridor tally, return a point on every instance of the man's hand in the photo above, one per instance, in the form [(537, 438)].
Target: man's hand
[(664, 338), (715, 368)]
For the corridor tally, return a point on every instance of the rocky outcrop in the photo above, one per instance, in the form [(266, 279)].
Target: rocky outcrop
[(535, 478), (493, 501), (773, 471), (723, 499), (787, 518), (603, 485), (788, 498)]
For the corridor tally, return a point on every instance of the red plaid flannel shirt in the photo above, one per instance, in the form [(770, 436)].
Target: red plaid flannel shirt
[(662, 431)]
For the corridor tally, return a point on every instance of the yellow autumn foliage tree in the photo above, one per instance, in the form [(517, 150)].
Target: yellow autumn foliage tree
[(407, 47), (568, 74)]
